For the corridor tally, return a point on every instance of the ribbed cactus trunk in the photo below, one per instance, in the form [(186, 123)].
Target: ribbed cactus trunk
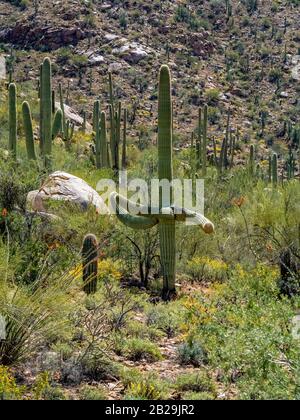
[(90, 264), (275, 169), (97, 134), (12, 108), (103, 141), (204, 142), (27, 120), (124, 147), (46, 104), (165, 172)]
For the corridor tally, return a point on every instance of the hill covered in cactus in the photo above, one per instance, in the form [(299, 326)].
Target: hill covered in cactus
[(109, 291)]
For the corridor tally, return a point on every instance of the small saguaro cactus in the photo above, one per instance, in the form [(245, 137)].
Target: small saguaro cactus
[(67, 126), (90, 264), (27, 120), (103, 141), (12, 116), (252, 160), (275, 169), (166, 216)]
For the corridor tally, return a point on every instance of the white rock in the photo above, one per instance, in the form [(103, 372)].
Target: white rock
[(72, 115), (61, 186)]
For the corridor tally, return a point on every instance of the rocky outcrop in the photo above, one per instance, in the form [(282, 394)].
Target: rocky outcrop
[(296, 67), (61, 186), (199, 42), (32, 34)]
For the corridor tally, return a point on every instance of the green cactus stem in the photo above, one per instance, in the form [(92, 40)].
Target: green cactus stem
[(28, 128), (90, 264), (204, 141), (46, 107), (252, 160), (275, 169), (57, 123), (124, 146), (103, 141), (12, 116), (97, 134)]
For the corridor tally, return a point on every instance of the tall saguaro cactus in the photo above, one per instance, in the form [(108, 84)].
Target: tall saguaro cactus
[(12, 107), (166, 216), (46, 111)]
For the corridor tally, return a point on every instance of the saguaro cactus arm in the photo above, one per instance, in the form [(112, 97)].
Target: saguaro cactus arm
[(133, 221)]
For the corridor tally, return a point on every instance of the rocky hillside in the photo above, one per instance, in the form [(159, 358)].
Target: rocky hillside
[(241, 56)]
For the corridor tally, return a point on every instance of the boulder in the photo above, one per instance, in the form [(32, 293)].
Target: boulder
[(35, 34), (74, 117), (61, 186), (133, 53), (296, 67)]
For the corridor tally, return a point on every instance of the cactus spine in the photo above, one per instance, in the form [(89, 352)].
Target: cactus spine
[(12, 107), (166, 221), (27, 120), (90, 264)]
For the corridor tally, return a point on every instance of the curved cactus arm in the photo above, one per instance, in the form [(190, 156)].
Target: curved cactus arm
[(132, 221), (184, 215)]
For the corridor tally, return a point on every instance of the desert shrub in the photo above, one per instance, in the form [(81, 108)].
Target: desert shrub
[(212, 96), (92, 393), (9, 390), (147, 387), (195, 382), (207, 269), (136, 349), (166, 318), (191, 353)]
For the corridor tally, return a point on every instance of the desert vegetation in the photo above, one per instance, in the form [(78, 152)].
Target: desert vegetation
[(167, 304)]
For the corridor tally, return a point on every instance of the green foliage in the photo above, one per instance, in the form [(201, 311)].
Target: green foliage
[(195, 382), (136, 349), (9, 390), (192, 353)]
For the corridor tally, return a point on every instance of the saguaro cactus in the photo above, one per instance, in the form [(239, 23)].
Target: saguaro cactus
[(252, 160), (124, 145), (27, 120), (103, 141), (204, 141), (12, 116), (275, 169), (90, 264), (46, 111), (166, 216)]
